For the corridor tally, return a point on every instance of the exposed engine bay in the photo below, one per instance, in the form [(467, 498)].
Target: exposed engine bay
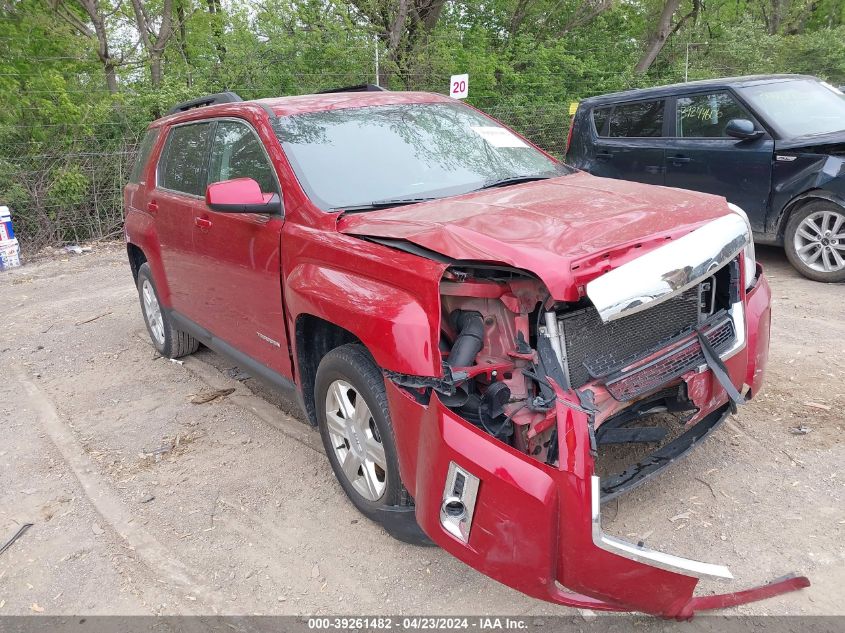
[(505, 342)]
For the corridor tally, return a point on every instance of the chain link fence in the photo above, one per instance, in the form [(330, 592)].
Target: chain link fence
[(73, 195), (68, 186)]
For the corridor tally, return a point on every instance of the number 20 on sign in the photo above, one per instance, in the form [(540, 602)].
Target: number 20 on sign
[(459, 86)]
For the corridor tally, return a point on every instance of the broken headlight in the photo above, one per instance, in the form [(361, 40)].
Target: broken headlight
[(750, 261)]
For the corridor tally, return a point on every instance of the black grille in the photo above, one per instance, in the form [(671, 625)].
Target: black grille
[(597, 348), (638, 381)]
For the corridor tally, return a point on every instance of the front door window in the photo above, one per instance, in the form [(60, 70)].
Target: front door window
[(238, 153), (707, 115)]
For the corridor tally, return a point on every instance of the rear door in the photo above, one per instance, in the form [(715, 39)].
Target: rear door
[(629, 141), (701, 157), (179, 192), (240, 254)]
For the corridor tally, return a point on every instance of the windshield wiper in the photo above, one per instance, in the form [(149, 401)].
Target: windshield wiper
[(381, 204), (512, 180), (398, 202)]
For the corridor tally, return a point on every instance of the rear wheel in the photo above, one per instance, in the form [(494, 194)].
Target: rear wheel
[(357, 433), (815, 241), (169, 341)]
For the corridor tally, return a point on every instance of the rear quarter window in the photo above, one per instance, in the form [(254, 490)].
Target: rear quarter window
[(143, 156), (600, 116)]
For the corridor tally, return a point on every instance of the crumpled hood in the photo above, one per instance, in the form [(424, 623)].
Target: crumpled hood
[(821, 143), (565, 230)]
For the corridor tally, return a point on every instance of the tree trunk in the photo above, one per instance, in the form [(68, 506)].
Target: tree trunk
[(154, 42), (586, 12), (660, 37), (99, 34), (518, 16), (401, 26), (111, 78), (155, 69), (214, 10), (776, 17), (182, 40), (395, 32)]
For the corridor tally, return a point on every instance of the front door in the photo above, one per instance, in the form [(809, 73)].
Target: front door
[(179, 190), (701, 157), (629, 143), (240, 255)]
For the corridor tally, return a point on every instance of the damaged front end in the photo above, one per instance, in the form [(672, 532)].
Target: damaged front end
[(505, 454)]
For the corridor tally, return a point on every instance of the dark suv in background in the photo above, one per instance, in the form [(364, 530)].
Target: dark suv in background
[(773, 145)]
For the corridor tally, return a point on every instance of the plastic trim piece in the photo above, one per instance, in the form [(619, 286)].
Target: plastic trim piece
[(199, 102), (669, 270), (641, 554), (462, 490), (358, 88)]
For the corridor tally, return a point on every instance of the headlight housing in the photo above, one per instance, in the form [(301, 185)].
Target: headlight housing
[(747, 253)]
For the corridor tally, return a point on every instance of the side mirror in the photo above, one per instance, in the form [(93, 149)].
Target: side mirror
[(743, 129), (241, 195)]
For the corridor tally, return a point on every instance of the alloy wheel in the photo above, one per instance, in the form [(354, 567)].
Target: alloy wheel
[(355, 440), (152, 312), (820, 241)]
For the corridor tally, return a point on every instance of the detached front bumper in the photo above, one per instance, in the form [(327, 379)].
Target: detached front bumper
[(537, 528)]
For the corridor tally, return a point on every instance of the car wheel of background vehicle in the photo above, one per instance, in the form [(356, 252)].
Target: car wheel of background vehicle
[(357, 433), (169, 341), (815, 241)]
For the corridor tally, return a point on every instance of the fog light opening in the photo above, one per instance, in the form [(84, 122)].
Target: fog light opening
[(454, 508), (458, 503)]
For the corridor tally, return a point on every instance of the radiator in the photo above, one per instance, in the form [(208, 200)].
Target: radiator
[(597, 349)]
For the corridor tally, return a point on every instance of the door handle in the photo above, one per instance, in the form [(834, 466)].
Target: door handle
[(680, 160), (604, 155), (203, 223), (152, 206)]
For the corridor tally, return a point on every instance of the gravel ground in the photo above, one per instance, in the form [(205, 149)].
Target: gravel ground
[(146, 503)]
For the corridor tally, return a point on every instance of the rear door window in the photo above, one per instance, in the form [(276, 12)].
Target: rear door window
[(707, 115), (643, 119), (237, 152), (183, 161)]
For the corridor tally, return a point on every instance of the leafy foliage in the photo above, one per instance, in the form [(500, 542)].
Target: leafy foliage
[(79, 84)]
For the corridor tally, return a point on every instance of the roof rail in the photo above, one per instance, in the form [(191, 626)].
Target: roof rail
[(358, 88), (199, 102)]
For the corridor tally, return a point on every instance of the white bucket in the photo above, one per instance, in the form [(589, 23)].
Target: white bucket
[(7, 233), (10, 256)]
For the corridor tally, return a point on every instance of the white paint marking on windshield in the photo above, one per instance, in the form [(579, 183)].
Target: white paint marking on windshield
[(498, 136)]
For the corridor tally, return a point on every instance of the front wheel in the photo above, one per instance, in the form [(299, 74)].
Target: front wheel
[(815, 241), (357, 434), (168, 341)]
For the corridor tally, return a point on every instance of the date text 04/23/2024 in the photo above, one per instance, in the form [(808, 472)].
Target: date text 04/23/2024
[(418, 623)]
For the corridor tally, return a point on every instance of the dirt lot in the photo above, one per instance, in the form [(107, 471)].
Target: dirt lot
[(146, 503)]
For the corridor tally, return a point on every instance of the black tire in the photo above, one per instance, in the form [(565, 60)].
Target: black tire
[(169, 341), (393, 509), (814, 207)]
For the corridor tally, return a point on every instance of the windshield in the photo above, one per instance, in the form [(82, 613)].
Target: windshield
[(802, 107), (363, 157)]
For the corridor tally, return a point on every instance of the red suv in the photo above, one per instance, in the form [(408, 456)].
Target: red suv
[(467, 321)]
